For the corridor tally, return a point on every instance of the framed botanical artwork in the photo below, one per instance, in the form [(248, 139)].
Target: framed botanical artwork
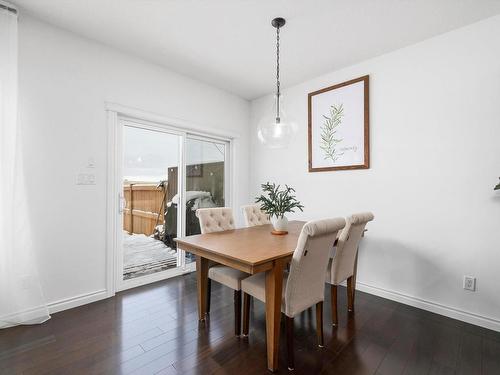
[(339, 127)]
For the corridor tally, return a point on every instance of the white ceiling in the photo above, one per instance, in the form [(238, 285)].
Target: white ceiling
[(230, 43)]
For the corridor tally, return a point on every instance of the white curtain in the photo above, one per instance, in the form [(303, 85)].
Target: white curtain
[(21, 298)]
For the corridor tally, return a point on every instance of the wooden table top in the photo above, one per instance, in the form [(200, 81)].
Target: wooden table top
[(251, 246)]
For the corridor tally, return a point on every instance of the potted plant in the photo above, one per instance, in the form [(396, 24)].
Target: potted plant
[(276, 203)]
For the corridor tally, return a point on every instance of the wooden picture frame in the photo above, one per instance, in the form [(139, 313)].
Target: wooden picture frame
[(334, 142)]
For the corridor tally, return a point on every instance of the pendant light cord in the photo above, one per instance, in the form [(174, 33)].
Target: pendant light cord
[(278, 92)]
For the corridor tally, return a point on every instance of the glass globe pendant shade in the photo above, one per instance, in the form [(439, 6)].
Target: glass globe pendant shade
[(275, 130)]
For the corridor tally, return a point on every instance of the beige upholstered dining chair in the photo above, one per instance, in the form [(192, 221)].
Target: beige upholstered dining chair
[(217, 220), (304, 285), (343, 264), (254, 215)]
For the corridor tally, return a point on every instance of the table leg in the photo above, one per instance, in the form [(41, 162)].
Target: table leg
[(274, 283), (202, 283)]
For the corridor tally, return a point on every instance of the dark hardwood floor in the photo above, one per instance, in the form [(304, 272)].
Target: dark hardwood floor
[(154, 330)]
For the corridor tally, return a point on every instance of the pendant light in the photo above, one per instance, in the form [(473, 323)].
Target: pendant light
[(274, 129)]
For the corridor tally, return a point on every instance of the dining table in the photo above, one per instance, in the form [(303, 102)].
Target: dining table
[(251, 250)]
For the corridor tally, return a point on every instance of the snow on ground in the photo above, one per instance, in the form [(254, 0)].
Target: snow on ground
[(143, 255)]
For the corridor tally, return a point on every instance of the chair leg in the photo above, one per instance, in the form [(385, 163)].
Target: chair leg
[(237, 312), (319, 323), (333, 289), (350, 294), (289, 342), (246, 314), (209, 294)]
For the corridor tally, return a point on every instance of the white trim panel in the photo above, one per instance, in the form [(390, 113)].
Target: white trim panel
[(79, 300), (139, 114), (434, 307)]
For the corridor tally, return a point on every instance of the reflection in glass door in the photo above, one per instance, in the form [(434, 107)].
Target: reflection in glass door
[(206, 180), (150, 196)]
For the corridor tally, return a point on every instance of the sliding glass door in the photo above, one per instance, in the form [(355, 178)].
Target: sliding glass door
[(148, 248), (166, 175), (205, 176)]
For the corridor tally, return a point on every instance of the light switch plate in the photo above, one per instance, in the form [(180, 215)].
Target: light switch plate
[(91, 162), (85, 179)]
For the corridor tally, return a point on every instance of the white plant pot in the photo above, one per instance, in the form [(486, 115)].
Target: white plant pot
[(280, 224)]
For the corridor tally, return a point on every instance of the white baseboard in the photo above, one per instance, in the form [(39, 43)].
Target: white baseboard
[(32, 316), (434, 307), (82, 299), (451, 312)]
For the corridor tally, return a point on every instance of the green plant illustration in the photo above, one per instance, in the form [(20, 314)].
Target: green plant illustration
[(328, 141)]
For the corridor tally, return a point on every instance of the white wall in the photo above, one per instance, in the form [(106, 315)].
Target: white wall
[(435, 125), (435, 130), (64, 83)]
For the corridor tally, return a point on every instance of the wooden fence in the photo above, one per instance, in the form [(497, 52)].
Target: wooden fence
[(144, 208)]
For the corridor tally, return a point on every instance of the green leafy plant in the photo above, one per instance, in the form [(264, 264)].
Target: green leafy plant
[(497, 187), (328, 130), (276, 202)]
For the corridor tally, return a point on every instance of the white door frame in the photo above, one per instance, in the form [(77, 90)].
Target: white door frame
[(115, 114)]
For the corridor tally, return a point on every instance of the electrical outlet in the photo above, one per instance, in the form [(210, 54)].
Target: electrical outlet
[(470, 283)]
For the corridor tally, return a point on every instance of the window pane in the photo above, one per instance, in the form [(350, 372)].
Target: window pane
[(148, 230), (205, 179)]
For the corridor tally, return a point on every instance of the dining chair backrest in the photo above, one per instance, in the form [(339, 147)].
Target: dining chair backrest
[(344, 259), (306, 280), (215, 219), (254, 216)]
